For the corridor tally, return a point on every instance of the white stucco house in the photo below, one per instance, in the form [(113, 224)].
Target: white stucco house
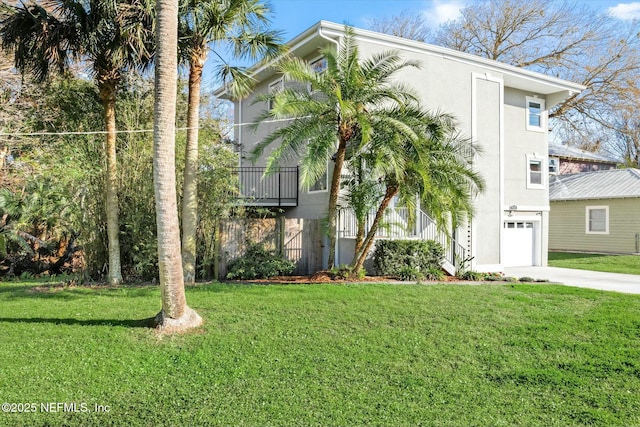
[(501, 107)]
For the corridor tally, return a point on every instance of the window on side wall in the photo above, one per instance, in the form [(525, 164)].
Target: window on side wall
[(597, 220), (322, 184), (319, 65), (536, 120), (274, 88), (535, 175), (554, 165)]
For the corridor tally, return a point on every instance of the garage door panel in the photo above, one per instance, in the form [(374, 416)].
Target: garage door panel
[(518, 243)]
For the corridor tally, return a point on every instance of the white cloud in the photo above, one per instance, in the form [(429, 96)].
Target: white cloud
[(625, 10), (441, 11)]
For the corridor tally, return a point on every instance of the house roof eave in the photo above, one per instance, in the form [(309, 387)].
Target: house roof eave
[(553, 88)]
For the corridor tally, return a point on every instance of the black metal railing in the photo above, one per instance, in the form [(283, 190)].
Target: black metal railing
[(279, 188)]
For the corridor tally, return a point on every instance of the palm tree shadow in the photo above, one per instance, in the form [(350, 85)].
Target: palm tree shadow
[(132, 323)]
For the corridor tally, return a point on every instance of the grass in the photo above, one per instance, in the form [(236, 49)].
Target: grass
[(335, 355), (629, 264)]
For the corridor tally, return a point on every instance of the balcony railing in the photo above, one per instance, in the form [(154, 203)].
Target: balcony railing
[(277, 189)]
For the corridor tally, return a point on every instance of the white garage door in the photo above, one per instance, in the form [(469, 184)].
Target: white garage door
[(518, 243)]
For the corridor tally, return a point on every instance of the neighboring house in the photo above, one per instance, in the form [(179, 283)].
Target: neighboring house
[(567, 160), (501, 107), (596, 212)]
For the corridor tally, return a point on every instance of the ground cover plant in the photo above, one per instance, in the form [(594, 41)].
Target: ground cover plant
[(498, 354), (629, 264)]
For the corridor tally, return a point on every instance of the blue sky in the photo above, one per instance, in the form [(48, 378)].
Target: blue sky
[(294, 16)]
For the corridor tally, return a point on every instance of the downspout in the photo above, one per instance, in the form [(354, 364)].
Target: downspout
[(337, 248), (322, 35)]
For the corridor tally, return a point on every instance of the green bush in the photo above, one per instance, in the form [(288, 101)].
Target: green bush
[(407, 257), (473, 276), (434, 273), (259, 263), (407, 273)]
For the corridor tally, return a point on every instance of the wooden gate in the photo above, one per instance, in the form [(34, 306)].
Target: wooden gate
[(298, 239)]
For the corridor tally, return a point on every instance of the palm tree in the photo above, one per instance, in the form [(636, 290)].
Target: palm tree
[(429, 159), (113, 36), (205, 23), (339, 114), (175, 314)]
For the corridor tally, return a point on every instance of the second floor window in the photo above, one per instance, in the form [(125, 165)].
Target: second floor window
[(535, 114), (274, 88), (319, 65)]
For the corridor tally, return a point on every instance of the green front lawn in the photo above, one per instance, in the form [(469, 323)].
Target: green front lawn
[(629, 264), (324, 355)]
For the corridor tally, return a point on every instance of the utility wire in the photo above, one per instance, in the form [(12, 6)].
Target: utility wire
[(102, 132)]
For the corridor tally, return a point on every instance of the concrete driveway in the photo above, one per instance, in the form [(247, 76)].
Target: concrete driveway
[(626, 283)]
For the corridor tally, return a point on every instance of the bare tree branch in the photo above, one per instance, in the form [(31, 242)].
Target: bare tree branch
[(407, 24), (564, 39)]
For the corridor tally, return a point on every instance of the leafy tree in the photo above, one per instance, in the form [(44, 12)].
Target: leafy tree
[(428, 159), (112, 36), (349, 102), (175, 315), (72, 104), (215, 23)]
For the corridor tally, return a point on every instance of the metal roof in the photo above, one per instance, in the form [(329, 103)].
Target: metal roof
[(576, 153), (610, 184)]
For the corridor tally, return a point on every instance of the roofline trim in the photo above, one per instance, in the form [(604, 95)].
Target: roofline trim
[(337, 30)]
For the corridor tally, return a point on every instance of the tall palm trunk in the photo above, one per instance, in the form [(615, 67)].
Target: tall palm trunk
[(190, 186), (107, 88), (332, 210), (361, 256), (175, 315)]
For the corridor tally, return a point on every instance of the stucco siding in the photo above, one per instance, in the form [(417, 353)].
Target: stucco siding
[(520, 146), (483, 98), (487, 223), (567, 226)]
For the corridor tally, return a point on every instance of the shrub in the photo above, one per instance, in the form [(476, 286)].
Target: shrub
[(493, 277), (406, 257), (434, 273), (259, 263), (407, 273), (527, 279), (471, 275)]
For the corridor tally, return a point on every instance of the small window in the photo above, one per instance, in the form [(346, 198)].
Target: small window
[(535, 177), (535, 114), (319, 65), (321, 184), (597, 220), (553, 165), (274, 88)]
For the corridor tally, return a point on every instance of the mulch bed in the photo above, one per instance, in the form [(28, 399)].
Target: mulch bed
[(325, 277)]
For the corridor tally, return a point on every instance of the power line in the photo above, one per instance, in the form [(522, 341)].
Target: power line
[(103, 132)]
